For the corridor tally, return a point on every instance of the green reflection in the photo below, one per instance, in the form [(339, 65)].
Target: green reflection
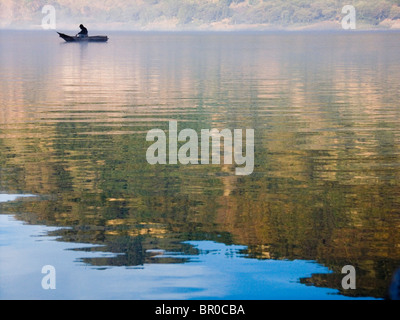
[(326, 180)]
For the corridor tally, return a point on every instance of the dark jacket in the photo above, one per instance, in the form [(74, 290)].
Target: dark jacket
[(84, 31)]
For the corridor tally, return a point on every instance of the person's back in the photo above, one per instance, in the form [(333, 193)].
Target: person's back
[(84, 31)]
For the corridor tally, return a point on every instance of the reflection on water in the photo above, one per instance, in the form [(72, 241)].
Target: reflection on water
[(325, 188), (211, 271)]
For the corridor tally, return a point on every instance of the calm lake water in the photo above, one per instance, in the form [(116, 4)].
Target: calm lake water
[(325, 191)]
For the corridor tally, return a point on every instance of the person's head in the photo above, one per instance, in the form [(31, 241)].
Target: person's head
[(81, 26)]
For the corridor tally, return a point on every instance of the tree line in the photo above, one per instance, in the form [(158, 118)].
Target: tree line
[(195, 13)]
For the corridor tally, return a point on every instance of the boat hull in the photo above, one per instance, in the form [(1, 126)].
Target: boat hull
[(68, 38)]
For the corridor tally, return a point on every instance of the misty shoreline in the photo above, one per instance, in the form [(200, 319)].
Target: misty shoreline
[(329, 27)]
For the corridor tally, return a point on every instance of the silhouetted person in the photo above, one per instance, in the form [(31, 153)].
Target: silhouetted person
[(84, 31)]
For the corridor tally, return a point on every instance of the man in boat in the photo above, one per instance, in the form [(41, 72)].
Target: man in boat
[(83, 33)]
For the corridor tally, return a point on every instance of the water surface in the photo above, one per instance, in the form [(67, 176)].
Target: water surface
[(324, 192)]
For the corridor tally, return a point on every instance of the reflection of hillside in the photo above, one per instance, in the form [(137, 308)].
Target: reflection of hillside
[(325, 185)]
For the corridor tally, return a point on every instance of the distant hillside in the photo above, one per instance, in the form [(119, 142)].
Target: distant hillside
[(200, 14)]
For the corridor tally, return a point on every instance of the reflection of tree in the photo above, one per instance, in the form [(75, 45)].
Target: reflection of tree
[(325, 186)]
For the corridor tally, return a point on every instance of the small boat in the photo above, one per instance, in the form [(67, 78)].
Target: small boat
[(83, 39)]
